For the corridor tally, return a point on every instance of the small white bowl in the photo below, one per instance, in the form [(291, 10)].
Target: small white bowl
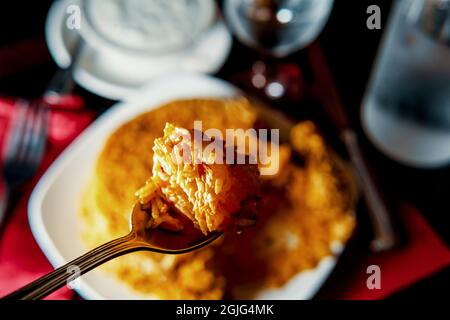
[(114, 74)]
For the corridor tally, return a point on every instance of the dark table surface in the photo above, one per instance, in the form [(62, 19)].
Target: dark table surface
[(350, 49)]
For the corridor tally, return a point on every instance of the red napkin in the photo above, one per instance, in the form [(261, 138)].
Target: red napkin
[(21, 260), (424, 255)]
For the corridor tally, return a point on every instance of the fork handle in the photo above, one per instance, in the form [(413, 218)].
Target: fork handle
[(72, 270)]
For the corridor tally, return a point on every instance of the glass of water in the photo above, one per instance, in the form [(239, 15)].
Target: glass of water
[(276, 28), (406, 110)]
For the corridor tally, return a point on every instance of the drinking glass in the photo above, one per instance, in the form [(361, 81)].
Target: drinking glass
[(276, 29), (406, 110)]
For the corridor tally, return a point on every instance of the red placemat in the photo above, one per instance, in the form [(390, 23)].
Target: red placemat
[(21, 260)]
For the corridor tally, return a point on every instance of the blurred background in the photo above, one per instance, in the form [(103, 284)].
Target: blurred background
[(340, 59)]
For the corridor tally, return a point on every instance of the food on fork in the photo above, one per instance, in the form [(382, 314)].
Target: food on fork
[(307, 207), (214, 195)]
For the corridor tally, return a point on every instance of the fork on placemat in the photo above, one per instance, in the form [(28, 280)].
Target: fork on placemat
[(24, 150)]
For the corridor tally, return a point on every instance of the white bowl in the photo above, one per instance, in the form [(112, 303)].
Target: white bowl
[(54, 204), (115, 75)]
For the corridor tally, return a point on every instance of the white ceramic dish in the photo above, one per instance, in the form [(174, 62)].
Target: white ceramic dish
[(116, 75), (54, 204)]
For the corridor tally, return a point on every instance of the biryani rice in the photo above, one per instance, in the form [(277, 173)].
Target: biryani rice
[(307, 208)]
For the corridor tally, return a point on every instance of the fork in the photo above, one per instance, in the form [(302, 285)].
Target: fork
[(24, 150)]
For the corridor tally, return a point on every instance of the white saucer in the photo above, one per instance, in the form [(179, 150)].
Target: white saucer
[(116, 77)]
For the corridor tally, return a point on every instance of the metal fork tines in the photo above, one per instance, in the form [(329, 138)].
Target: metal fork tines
[(25, 148)]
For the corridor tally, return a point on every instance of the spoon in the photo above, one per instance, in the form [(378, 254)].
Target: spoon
[(139, 239)]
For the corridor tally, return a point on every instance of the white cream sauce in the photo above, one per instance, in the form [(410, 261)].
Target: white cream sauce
[(150, 25)]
